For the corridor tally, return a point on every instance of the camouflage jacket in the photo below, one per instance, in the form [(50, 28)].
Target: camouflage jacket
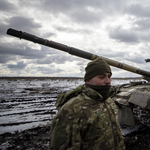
[(85, 122)]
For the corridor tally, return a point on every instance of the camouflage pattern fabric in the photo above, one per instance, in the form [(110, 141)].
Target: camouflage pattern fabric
[(85, 122)]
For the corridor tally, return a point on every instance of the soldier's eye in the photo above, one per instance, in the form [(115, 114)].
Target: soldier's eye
[(101, 77)]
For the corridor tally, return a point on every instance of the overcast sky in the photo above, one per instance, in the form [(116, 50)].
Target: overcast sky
[(117, 29)]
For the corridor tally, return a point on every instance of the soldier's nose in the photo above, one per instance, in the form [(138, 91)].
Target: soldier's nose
[(107, 80)]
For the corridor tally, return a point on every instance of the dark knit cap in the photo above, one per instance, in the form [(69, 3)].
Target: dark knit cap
[(96, 67)]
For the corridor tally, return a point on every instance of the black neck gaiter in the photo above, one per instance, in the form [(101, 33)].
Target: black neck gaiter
[(104, 90)]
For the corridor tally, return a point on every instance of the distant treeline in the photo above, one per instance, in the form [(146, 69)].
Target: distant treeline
[(39, 78), (54, 78)]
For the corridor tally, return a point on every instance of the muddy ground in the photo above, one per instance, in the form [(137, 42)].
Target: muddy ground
[(39, 139)]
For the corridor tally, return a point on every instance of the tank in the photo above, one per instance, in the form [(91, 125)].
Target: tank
[(133, 99)]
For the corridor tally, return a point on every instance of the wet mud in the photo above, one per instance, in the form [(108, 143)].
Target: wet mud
[(32, 139), (138, 140), (39, 138)]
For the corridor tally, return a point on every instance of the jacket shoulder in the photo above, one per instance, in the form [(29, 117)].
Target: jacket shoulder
[(64, 97)]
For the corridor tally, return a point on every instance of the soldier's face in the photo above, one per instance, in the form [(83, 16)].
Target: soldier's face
[(103, 79)]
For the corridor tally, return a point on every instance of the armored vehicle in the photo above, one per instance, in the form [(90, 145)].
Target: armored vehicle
[(133, 100)]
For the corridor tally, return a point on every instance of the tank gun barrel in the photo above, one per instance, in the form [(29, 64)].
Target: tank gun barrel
[(74, 51)]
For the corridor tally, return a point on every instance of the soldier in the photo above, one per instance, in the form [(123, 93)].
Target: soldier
[(87, 116)]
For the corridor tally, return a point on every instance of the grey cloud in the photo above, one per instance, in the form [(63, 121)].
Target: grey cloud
[(138, 10), (63, 5), (3, 29), (72, 30), (48, 50), (143, 24), (77, 11), (19, 65), (50, 70), (7, 6), (23, 23), (85, 11), (136, 58), (83, 62), (120, 56), (86, 16), (48, 34), (47, 60), (67, 6), (6, 58), (82, 69), (109, 53), (9, 53), (124, 35), (58, 59)]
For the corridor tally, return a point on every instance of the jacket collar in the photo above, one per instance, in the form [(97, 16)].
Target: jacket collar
[(92, 93)]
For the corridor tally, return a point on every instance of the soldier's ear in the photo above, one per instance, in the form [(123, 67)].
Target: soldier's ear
[(87, 82)]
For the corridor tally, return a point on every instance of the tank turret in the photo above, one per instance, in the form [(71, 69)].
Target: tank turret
[(133, 100)]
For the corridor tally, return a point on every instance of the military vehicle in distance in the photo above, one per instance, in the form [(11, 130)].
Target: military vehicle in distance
[(133, 100), (147, 60)]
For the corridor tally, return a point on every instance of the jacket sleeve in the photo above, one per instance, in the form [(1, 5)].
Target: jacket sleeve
[(66, 132)]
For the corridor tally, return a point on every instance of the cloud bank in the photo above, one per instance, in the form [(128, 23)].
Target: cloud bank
[(115, 29)]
